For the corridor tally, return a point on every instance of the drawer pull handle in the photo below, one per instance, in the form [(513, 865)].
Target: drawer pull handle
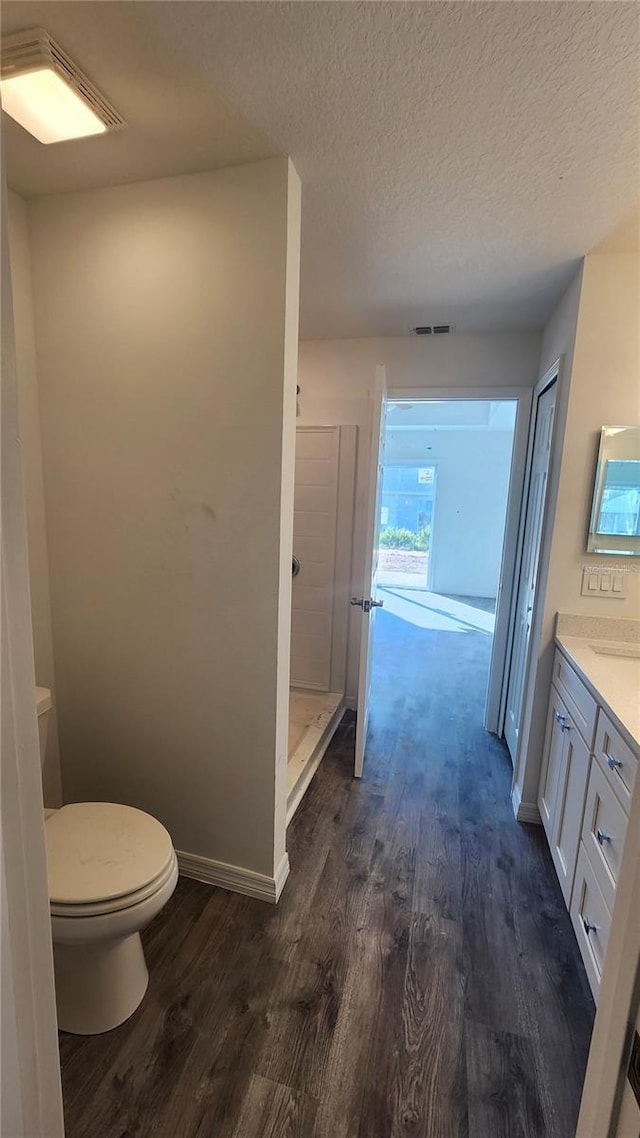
[(562, 720), (588, 927), (613, 763), (602, 837)]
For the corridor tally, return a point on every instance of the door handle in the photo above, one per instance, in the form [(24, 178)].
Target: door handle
[(367, 604)]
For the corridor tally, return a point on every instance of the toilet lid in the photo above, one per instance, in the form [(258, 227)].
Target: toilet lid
[(99, 850)]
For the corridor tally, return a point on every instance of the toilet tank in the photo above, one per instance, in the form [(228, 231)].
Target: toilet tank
[(43, 706)]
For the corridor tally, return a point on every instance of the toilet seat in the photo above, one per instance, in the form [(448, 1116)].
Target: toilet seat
[(114, 904), (103, 857)]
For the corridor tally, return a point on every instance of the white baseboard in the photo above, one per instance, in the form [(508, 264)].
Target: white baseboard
[(234, 877), (524, 811), (280, 879)]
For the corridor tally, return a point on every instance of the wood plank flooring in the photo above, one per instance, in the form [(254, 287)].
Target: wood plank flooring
[(419, 978)]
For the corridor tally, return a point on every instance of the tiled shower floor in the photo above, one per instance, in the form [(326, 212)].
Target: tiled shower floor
[(313, 718)]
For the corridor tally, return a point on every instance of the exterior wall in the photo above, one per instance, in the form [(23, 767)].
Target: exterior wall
[(337, 378), (166, 321)]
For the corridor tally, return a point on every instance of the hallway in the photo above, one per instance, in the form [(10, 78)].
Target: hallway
[(419, 976)]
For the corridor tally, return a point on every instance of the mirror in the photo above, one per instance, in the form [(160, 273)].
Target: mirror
[(615, 514)]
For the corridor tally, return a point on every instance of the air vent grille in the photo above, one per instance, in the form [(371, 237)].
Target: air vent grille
[(433, 329), (28, 51)]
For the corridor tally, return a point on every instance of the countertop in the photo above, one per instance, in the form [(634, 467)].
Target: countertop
[(610, 668)]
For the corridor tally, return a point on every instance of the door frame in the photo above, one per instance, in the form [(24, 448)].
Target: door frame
[(30, 1059), (522, 397), (544, 383)]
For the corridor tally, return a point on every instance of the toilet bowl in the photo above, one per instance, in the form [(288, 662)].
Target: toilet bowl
[(111, 869)]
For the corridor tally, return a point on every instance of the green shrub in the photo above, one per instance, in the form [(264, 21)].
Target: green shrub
[(424, 538), (393, 538)]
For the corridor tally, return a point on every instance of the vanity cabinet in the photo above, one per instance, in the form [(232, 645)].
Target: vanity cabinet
[(563, 787), (587, 777)]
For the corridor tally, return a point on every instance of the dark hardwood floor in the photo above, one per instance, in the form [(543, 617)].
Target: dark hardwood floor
[(419, 977)]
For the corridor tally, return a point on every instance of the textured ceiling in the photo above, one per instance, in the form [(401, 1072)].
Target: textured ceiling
[(456, 158)]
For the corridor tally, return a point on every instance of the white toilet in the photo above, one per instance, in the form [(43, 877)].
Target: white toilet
[(111, 870)]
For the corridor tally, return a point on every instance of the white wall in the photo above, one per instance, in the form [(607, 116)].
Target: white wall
[(166, 327), (337, 379), (596, 327), (472, 484), (605, 389), (32, 474)]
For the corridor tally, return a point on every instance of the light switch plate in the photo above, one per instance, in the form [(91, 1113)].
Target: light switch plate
[(609, 583)]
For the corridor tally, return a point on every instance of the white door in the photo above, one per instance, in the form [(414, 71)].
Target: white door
[(368, 601), (534, 510)]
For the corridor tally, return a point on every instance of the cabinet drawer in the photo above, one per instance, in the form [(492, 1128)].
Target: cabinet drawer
[(616, 759), (578, 699), (603, 832), (591, 919)]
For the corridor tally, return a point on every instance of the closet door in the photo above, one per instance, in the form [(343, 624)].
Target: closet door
[(533, 524)]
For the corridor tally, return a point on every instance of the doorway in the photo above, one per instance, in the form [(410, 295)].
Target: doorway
[(445, 487), (462, 525)]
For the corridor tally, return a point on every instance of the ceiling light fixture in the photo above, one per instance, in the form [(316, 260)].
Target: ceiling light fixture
[(44, 91)]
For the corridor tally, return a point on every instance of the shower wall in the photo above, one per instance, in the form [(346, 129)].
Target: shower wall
[(322, 530)]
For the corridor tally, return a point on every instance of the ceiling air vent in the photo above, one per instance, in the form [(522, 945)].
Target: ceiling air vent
[(433, 329)]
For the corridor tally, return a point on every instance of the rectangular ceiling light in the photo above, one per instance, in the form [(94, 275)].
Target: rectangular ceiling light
[(47, 94)]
